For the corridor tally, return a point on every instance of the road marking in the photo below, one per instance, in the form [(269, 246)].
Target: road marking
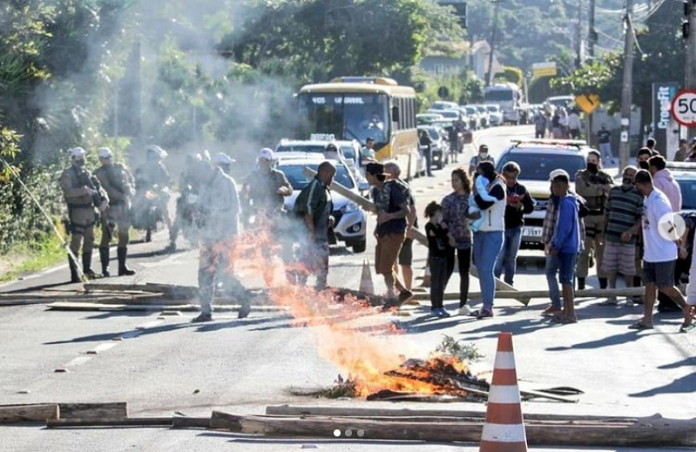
[(147, 325), (102, 348), (80, 360)]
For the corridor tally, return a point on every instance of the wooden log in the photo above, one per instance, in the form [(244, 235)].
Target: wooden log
[(28, 413), (528, 294), (190, 422), (359, 412), (188, 292), (116, 410), (111, 422), (65, 306), (647, 432)]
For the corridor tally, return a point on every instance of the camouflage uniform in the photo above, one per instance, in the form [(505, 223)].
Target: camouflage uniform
[(118, 183), (154, 177), (77, 183), (588, 185)]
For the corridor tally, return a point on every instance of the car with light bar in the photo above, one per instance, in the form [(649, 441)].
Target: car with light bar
[(350, 219), (537, 158)]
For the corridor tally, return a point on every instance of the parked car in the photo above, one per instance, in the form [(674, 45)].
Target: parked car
[(537, 158), (440, 146), (452, 115), (495, 114), (483, 114), (444, 105), (350, 219), (473, 115), (428, 118)]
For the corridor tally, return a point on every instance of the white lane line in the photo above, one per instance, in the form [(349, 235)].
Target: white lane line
[(80, 360), (148, 325), (102, 348)]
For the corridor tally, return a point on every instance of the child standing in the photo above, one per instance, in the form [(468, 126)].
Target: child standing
[(438, 249)]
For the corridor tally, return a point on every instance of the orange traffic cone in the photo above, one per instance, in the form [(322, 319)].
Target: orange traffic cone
[(504, 427), (366, 285)]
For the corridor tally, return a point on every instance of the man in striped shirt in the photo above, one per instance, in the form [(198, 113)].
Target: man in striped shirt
[(621, 226)]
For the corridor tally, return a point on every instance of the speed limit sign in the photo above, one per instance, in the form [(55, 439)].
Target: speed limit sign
[(684, 108)]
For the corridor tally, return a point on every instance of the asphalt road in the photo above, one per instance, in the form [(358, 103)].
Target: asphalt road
[(167, 365)]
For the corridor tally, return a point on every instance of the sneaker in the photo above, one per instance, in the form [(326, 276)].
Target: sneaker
[(203, 318), (551, 310), (405, 296), (485, 314), (442, 313), (465, 310)]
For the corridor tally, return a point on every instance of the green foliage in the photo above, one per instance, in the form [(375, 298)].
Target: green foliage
[(463, 88), (465, 353)]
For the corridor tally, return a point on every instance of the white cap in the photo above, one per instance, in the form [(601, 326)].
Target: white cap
[(266, 154), (77, 152), (105, 153), (222, 159), (558, 172), (157, 150)]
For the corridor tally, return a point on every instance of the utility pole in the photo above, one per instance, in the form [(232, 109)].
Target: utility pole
[(578, 38), (690, 82), (592, 35), (489, 82), (627, 93)]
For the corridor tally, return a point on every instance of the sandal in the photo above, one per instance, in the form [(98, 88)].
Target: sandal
[(640, 326), (475, 313), (484, 314), (563, 320)]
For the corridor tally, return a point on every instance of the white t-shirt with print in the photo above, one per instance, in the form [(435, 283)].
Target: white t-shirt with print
[(657, 248)]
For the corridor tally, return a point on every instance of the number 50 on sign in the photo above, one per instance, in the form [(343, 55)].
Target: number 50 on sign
[(684, 108)]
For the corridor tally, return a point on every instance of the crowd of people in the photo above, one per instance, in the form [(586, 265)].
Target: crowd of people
[(559, 123), (620, 229)]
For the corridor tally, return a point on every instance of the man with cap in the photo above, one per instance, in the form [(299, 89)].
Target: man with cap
[(83, 194), (153, 177), (224, 162), (547, 237), (263, 196), (483, 156), (217, 214), (118, 183), (392, 209), (314, 206)]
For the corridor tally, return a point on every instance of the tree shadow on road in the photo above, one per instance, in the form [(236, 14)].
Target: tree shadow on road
[(128, 334), (617, 339), (516, 327)]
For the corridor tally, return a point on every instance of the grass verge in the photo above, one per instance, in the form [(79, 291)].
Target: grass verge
[(24, 259)]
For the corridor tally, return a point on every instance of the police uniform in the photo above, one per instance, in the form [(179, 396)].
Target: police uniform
[(153, 176), (588, 185), (78, 184), (218, 211), (118, 183)]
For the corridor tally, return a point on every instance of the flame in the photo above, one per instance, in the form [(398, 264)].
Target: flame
[(363, 357)]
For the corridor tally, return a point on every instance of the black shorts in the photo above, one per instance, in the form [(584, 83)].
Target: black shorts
[(406, 253), (659, 273)]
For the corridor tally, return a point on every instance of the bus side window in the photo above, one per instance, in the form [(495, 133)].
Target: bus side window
[(411, 113)]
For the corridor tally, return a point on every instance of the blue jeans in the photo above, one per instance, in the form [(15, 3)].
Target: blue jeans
[(487, 246), (507, 258), (552, 266)]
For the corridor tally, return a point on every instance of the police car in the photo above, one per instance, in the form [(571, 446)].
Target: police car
[(537, 158), (350, 219), (348, 151)]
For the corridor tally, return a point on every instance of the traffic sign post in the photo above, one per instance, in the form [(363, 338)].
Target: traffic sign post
[(684, 108)]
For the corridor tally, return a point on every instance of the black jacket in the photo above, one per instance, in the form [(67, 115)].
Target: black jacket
[(514, 217)]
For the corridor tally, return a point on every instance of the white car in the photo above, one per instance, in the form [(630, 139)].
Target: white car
[(350, 219), (495, 114)]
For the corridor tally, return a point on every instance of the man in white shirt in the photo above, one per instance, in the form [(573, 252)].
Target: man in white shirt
[(574, 125), (660, 250)]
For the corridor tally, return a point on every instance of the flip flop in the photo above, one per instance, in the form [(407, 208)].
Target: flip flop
[(640, 326)]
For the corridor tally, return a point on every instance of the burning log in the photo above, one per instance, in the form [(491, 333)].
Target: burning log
[(654, 431)]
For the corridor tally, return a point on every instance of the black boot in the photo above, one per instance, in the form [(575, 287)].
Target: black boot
[(581, 283), (123, 270), (104, 257), (87, 265), (74, 277), (603, 283)]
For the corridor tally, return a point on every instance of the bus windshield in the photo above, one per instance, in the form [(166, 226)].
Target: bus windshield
[(346, 116), (499, 95)]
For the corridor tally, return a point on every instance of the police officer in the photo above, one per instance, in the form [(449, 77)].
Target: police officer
[(118, 183), (82, 194), (224, 162), (217, 214), (154, 177), (593, 184)]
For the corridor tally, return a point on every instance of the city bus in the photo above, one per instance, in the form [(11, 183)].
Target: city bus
[(358, 108)]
